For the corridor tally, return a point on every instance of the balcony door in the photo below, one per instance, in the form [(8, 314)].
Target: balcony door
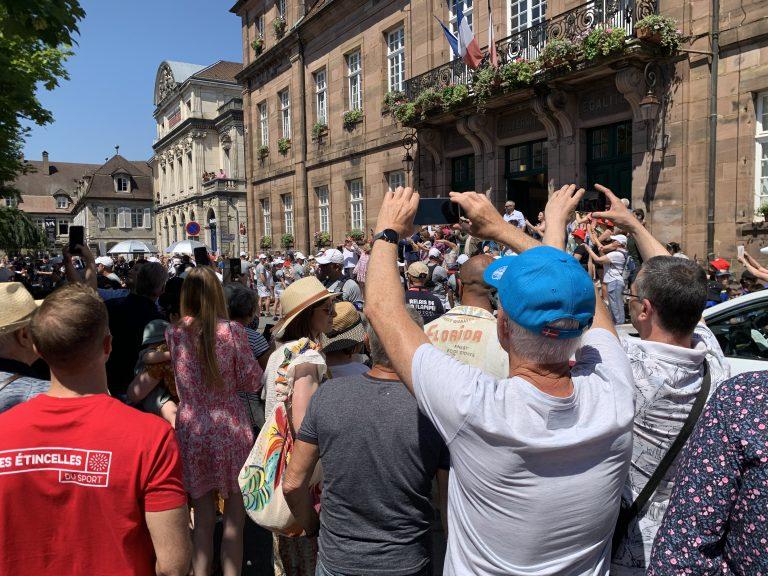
[(609, 158), (525, 13), (526, 176), (463, 173)]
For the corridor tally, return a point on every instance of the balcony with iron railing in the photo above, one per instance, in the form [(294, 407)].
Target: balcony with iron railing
[(223, 185), (528, 43)]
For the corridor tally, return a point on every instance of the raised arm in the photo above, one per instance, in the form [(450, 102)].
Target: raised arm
[(384, 298), (647, 245), (485, 222), (557, 213)]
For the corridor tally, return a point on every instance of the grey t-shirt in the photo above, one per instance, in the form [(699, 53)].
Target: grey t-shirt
[(440, 285), (536, 479), (260, 275), (379, 456), (350, 291)]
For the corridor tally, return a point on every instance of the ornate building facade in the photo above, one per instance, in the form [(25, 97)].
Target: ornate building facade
[(198, 163), (684, 137)]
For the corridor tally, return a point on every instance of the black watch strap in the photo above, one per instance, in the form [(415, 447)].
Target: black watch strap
[(387, 235)]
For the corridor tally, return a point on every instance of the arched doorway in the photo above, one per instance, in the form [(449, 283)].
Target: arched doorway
[(175, 229), (211, 226)]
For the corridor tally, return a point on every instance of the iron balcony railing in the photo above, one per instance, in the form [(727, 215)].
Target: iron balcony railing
[(529, 42)]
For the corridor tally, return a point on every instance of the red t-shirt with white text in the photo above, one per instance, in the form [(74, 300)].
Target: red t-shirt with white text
[(76, 476)]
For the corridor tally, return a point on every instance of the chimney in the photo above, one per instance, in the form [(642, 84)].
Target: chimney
[(46, 166)]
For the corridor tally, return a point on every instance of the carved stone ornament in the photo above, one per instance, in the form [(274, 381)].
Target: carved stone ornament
[(197, 135), (226, 141), (165, 83)]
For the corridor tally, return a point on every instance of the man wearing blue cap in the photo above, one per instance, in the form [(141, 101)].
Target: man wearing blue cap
[(538, 459)]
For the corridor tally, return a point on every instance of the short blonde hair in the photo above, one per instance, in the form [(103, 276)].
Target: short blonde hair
[(70, 325)]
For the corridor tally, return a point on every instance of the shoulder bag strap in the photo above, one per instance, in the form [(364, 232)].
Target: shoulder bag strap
[(627, 514), (9, 380)]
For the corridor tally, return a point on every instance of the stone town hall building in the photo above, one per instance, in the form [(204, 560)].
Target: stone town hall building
[(639, 123)]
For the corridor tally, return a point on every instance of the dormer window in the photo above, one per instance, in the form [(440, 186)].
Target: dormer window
[(61, 202), (122, 183)]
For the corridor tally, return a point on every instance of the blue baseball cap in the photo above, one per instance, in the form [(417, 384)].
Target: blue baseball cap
[(543, 285)]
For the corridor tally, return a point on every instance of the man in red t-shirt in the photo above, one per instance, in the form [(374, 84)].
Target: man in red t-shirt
[(88, 485)]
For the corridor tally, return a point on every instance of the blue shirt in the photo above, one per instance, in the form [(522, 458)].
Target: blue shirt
[(19, 390)]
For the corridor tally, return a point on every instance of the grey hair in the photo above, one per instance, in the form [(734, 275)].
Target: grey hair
[(542, 349), (378, 354), (241, 302)]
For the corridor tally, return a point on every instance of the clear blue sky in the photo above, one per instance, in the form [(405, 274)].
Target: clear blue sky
[(108, 99)]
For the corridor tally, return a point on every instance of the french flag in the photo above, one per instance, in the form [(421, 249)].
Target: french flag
[(464, 45)]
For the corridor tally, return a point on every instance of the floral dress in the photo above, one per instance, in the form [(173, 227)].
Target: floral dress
[(717, 519), (212, 425)]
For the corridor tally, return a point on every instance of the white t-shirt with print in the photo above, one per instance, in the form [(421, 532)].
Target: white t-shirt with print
[(614, 272), (667, 380), (535, 479)]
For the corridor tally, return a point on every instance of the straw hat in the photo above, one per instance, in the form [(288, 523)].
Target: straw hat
[(299, 296), (16, 306), (347, 329)]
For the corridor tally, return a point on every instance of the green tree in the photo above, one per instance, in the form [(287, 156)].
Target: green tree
[(36, 37), (17, 231)]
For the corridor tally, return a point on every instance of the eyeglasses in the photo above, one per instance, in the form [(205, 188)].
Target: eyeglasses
[(628, 293)]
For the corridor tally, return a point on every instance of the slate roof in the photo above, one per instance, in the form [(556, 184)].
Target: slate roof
[(42, 205), (61, 176), (101, 184), (221, 70)]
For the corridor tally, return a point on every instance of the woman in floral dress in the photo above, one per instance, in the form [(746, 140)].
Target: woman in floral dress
[(717, 518), (212, 363)]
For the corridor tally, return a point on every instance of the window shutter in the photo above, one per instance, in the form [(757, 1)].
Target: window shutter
[(101, 218), (121, 218), (148, 218)]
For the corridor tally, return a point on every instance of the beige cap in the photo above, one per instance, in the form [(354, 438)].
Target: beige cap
[(16, 306)]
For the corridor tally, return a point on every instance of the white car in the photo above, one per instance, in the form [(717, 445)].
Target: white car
[(741, 327)]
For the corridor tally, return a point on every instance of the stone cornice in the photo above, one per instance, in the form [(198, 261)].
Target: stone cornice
[(160, 208)]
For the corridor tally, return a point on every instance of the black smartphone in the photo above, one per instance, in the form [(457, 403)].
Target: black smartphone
[(234, 268), (76, 238), (201, 256), (437, 211)]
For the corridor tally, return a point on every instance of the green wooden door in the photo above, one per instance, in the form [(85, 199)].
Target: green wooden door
[(463, 173), (609, 158)]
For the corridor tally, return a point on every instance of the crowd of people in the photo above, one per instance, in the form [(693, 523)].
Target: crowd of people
[(470, 374)]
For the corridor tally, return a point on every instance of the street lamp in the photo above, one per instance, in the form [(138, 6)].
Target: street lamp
[(408, 141), (650, 104)]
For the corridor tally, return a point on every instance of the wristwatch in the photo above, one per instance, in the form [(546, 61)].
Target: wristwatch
[(387, 235)]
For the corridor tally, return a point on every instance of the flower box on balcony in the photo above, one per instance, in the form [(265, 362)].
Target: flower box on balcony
[(352, 118), (278, 25), (649, 35), (319, 130), (283, 145), (258, 46), (263, 152)]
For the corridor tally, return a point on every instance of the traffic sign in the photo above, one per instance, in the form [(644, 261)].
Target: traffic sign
[(193, 228)]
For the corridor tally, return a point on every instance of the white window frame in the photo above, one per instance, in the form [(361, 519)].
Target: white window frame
[(122, 184), (63, 221), (281, 9), (137, 217), (355, 80), (324, 208), (356, 204), (396, 178), (396, 59), (467, 6), (761, 148), (266, 217), (61, 202), (284, 97), (259, 25), (110, 217), (321, 96), (287, 201), (264, 124), (525, 18)]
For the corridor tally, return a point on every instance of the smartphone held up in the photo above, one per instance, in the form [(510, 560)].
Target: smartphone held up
[(437, 211)]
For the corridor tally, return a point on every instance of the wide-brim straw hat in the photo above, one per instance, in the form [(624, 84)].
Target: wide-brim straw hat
[(347, 329), (299, 296), (16, 306)]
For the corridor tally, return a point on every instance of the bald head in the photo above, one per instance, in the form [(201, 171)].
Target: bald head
[(474, 290)]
